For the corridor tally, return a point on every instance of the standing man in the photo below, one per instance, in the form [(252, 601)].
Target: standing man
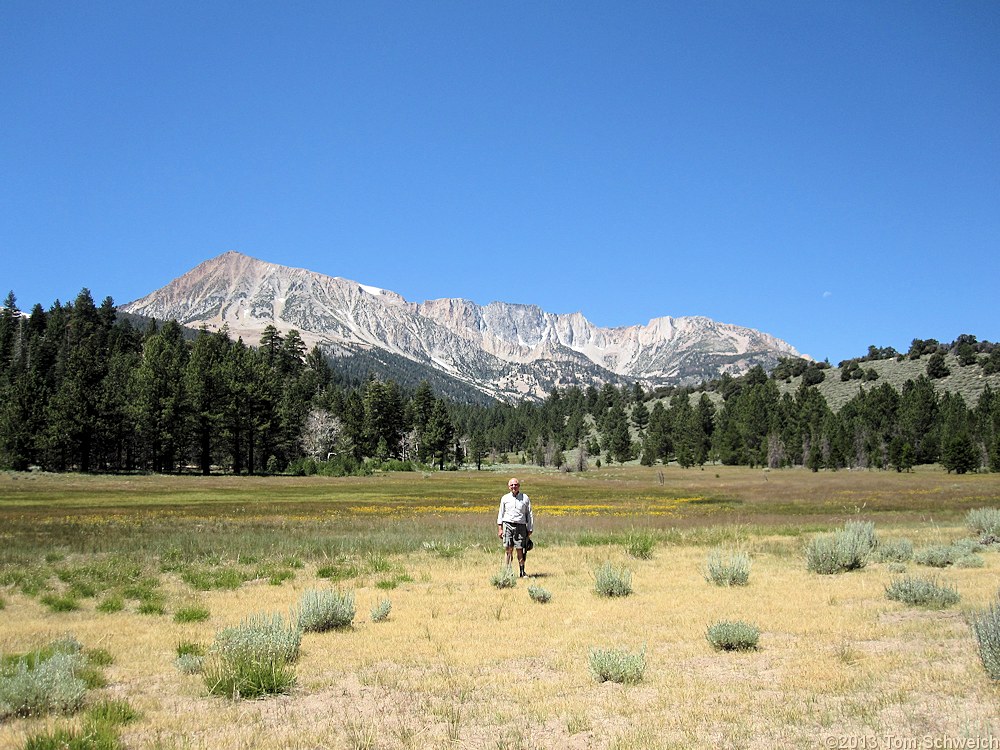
[(515, 522)]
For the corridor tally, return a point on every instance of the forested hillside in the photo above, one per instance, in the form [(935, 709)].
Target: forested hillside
[(84, 389)]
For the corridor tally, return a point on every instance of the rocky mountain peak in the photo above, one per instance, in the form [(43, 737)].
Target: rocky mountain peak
[(472, 343)]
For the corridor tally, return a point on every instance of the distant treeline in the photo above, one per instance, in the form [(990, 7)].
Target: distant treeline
[(83, 389)]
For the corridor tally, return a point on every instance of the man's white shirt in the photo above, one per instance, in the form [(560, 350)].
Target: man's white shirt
[(516, 509)]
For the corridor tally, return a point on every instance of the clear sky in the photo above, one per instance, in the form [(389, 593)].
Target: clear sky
[(827, 172)]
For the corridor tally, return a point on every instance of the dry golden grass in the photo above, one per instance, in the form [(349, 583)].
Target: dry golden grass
[(462, 664)]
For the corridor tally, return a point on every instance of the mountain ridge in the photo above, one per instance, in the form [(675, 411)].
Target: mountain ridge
[(505, 350)]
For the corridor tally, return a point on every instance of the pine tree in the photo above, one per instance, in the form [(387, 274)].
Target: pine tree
[(72, 413), (640, 415), (936, 367), (617, 440), (206, 389), (383, 417), (159, 399), (438, 434)]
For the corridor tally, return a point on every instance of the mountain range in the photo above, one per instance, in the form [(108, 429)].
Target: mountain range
[(501, 350)]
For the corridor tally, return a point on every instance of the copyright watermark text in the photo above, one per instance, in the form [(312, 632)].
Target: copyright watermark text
[(899, 742)]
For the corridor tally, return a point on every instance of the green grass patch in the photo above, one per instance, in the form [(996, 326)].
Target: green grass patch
[(338, 571), (152, 606), (192, 613), (394, 581), (276, 575), (99, 730), (110, 604), (30, 580), (209, 579), (66, 602), (640, 545), (594, 539), (446, 550), (192, 648)]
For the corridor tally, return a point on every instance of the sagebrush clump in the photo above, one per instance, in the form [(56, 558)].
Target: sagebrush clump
[(921, 592), (190, 657), (727, 569), (618, 665), (986, 628), (945, 555), (253, 658), (733, 635), (539, 594), (894, 550), (611, 581), (985, 522), (844, 550), (320, 611), (380, 612), (50, 680), (504, 578)]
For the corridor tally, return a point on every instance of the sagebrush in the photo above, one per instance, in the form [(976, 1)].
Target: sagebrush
[(618, 665), (986, 628), (253, 658), (611, 581), (50, 680), (539, 594), (380, 612), (504, 578), (845, 550), (320, 611), (984, 521), (733, 635), (922, 592), (727, 568)]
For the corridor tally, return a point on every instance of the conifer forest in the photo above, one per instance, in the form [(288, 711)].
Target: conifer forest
[(84, 389)]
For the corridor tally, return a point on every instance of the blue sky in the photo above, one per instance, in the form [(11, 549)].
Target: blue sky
[(828, 172)]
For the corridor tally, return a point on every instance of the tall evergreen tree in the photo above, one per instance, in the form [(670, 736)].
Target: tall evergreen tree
[(617, 439), (383, 418), (72, 417), (918, 419), (159, 399), (205, 385), (704, 428), (438, 434)]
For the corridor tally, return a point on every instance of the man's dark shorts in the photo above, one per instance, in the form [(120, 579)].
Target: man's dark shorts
[(515, 535)]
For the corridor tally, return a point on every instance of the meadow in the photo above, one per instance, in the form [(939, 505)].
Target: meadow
[(140, 568)]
